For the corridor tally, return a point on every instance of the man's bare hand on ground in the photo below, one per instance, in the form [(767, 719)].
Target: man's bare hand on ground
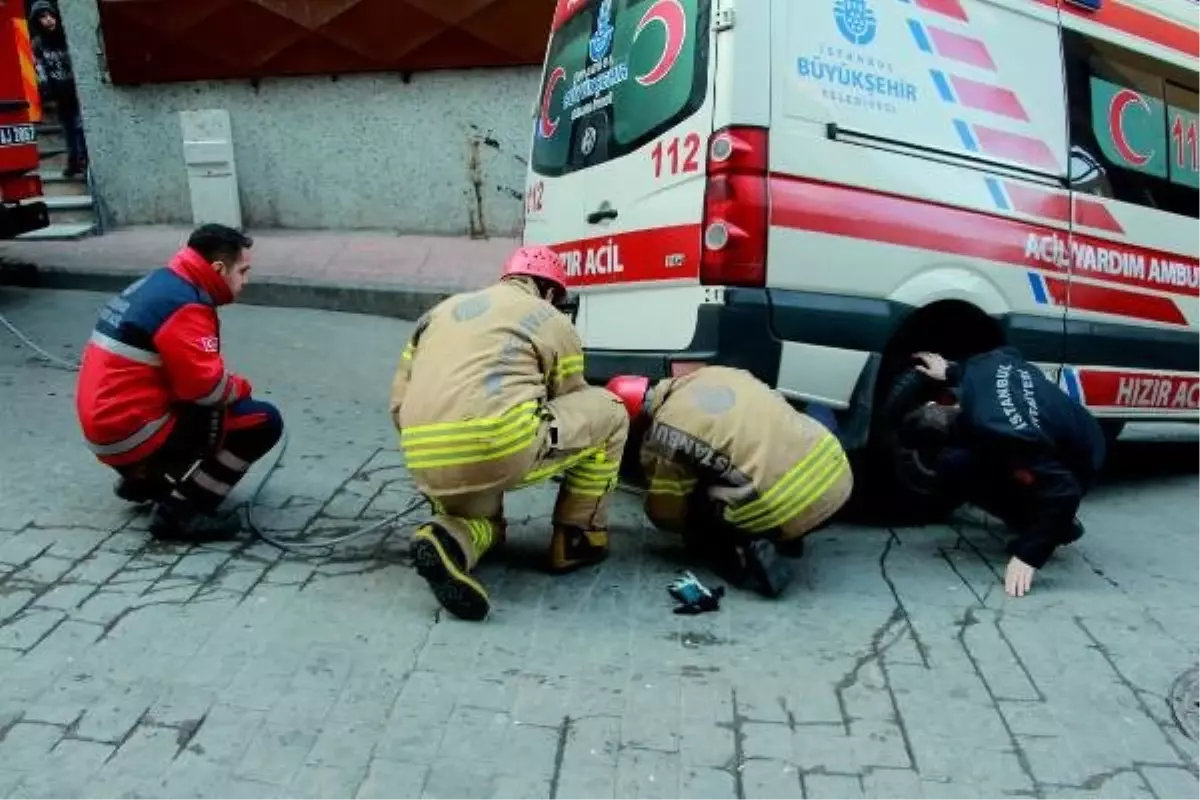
[(1018, 577), (932, 365)]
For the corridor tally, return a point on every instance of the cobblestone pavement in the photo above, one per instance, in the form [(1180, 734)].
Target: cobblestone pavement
[(895, 668)]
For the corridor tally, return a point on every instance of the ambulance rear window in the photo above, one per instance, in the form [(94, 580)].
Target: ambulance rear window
[(618, 74)]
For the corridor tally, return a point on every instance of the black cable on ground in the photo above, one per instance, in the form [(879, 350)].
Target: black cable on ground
[(309, 544), (252, 503)]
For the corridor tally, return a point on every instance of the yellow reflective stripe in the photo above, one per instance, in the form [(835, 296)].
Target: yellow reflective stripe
[(745, 516), (446, 442), (542, 473), (589, 487), (591, 477), (594, 468), (481, 534), (429, 455), (408, 352), (771, 498), (804, 486), (581, 492), (568, 366), (680, 488), (794, 506), (468, 428)]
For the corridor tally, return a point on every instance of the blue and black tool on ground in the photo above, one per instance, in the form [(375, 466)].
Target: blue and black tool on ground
[(693, 596)]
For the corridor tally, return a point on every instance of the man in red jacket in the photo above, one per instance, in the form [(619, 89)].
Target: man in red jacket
[(155, 400)]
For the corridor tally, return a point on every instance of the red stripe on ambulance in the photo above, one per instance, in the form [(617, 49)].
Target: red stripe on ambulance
[(655, 254), (1015, 147), (1057, 206), (1115, 388), (960, 48), (985, 97), (1109, 300), (875, 216), (947, 8)]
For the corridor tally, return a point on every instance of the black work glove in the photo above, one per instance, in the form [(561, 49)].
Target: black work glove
[(693, 596)]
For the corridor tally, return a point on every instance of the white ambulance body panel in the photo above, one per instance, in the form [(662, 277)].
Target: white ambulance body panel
[(1030, 161)]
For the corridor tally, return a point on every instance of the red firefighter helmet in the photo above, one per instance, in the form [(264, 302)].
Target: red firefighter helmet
[(632, 391), (537, 262)]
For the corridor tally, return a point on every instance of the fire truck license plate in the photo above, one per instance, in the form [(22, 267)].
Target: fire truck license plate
[(11, 135)]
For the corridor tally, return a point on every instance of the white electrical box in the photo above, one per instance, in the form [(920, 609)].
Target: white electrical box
[(211, 171)]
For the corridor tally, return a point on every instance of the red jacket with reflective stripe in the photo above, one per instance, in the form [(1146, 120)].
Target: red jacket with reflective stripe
[(155, 346)]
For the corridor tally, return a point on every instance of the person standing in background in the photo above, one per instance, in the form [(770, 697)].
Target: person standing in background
[(56, 78)]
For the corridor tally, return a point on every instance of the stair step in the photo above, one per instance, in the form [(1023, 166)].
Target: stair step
[(55, 185), (53, 160), (60, 232), (51, 142), (68, 208)]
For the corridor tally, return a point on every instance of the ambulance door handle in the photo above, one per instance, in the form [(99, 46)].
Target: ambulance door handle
[(605, 212)]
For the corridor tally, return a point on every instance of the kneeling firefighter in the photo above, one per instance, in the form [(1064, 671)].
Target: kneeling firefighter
[(734, 469), (490, 396), (1013, 443)]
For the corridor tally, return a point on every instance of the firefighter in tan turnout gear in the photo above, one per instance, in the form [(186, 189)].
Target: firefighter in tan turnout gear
[(490, 396), (737, 471)]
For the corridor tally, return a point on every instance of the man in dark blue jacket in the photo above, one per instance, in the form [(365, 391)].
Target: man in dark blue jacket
[(1013, 444)]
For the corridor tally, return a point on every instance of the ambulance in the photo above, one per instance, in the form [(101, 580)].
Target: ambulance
[(812, 190)]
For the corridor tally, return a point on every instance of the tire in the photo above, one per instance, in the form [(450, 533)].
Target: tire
[(1112, 429), (885, 486)]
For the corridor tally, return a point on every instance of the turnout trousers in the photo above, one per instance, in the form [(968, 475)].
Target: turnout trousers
[(580, 437)]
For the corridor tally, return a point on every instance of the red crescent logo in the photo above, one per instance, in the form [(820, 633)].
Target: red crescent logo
[(549, 126), (1116, 116), (674, 21)]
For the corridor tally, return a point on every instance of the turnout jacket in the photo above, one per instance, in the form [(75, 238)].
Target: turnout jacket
[(155, 346), (722, 427), (469, 394), (1013, 413)]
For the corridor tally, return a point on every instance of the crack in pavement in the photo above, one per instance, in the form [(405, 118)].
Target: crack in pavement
[(1184, 757), (564, 731), (967, 620), (912, 631)]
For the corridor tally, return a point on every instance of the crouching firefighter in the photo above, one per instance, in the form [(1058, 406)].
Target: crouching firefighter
[(156, 401), (490, 396), (734, 469), (1012, 443)]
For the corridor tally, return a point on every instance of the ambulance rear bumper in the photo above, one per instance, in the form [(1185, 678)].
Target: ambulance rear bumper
[(736, 333)]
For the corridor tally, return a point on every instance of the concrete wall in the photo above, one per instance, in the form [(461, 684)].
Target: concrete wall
[(443, 154)]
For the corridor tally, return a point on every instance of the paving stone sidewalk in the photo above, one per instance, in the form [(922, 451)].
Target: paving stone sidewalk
[(362, 272), (895, 667)]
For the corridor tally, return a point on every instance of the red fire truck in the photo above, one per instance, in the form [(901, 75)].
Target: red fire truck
[(21, 207)]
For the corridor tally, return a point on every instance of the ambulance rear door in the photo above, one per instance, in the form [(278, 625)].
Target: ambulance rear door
[(616, 177)]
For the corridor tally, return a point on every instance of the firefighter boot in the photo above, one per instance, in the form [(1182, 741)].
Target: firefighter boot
[(136, 491), (140, 485), (440, 560), (175, 520), (790, 548), (767, 571), (573, 548)]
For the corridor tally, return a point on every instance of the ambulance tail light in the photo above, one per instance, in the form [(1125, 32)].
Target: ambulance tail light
[(735, 226)]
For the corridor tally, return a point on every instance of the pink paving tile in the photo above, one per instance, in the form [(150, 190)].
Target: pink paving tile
[(333, 257)]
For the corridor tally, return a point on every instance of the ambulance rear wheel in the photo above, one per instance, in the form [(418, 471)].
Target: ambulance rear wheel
[(892, 484), (1112, 429)]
